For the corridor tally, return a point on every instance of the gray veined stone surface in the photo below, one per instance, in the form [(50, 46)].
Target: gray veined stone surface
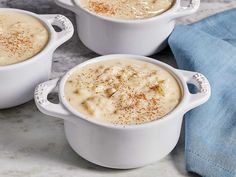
[(34, 145)]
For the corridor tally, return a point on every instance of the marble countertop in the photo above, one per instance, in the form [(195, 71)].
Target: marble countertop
[(34, 145)]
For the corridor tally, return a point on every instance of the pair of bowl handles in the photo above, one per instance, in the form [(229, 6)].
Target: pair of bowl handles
[(58, 110), (179, 12)]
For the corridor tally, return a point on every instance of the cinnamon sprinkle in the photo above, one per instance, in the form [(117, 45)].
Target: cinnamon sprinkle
[(101, 8), (21, 37), (16, 42)]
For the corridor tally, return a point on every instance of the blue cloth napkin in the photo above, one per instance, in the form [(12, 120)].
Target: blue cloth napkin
[(209, 47)]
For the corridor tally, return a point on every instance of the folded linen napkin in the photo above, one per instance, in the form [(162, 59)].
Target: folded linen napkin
[(209, 47)]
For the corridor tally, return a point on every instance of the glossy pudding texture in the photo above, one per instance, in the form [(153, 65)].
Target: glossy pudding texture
[(126, 9), (21, 37), (122, 91)]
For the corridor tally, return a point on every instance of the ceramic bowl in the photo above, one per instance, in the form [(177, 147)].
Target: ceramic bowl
[(118, 146), (105, 35), (19, 80)]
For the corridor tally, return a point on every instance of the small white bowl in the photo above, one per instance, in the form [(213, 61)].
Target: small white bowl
[(123, 147), (19, 80), (105, 35)]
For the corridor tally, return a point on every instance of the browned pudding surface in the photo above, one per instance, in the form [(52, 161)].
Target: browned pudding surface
[(127, 9), (123, 91), (21, 37)]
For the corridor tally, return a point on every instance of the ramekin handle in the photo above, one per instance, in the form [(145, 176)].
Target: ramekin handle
[(67, 4), (187, 10), (203, 88), (67, 29), (45, 106)]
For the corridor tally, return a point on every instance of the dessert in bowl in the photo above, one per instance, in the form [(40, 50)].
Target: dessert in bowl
[(27, 42), (123, 111), (108, 30)]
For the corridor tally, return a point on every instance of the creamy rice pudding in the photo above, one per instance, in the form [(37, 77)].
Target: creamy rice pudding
[(123, 91), (21, 37), (127, 9)]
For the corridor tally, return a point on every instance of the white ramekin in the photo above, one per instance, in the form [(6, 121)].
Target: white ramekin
[(105, 35), (123, 147), (18, 81)]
